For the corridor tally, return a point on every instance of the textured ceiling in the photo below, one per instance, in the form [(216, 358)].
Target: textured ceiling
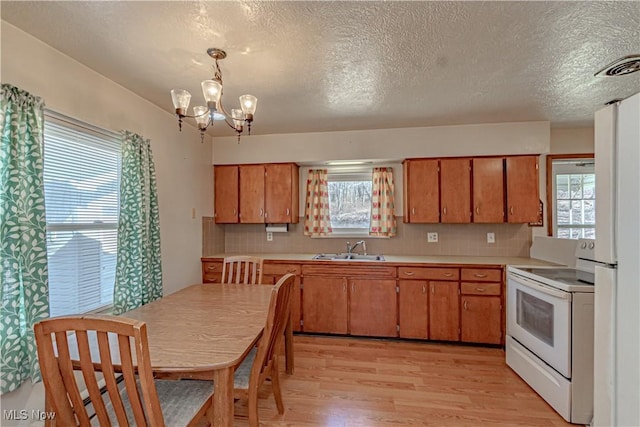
[(321, 66)]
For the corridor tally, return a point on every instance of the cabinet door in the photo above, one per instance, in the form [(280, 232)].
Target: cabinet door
[(279, 193), (324, 304), (481, 319), (372, 307), (455, 190), (488, 190), (523, 198), (225, 191), (422, 191), (413, 309), (444, 311), (251, 194)]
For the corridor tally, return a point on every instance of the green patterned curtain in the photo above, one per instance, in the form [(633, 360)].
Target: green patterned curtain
[(24, 282), (139, 269)]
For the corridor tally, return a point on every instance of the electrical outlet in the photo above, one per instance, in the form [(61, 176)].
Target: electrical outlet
[(432, 237), (491, 237), (269, 237)]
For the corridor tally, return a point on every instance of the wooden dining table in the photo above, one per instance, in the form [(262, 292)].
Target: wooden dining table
[(204, 332)]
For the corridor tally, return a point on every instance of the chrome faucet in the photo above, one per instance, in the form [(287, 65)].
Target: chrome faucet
[(350, 248)]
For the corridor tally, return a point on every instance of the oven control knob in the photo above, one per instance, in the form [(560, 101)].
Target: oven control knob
[(591, 245), (583, 245)]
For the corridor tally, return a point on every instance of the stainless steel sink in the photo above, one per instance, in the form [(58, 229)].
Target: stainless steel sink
[(348, 257)]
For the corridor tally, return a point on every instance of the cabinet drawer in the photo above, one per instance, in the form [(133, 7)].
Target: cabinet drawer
[(469, 288), (428, 273), (281, 269), (211, 271), (482, 274)]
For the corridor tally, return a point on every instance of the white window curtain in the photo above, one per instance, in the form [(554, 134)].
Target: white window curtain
[(317, 220), (383, 218)]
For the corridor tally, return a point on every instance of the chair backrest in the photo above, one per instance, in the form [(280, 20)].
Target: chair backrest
[(242, 269), (98, 342), (277, 318)]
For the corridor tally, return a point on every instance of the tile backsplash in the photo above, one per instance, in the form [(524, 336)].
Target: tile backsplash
[(453, 239)]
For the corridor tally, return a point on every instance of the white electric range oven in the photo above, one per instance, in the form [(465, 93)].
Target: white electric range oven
[(550, 331)]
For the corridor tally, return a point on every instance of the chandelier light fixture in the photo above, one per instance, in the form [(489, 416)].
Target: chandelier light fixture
[(212, 91)]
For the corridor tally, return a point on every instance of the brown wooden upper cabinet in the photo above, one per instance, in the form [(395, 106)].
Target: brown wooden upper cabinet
[(225, 185), (421, 191), (523, 197), (488, 190), (455, 190), (463, 190), (256, 194), (281, 193)]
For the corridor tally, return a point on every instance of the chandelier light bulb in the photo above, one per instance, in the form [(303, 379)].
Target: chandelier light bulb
[(211, 90), (181, 99), (201, 116), (248, 105)]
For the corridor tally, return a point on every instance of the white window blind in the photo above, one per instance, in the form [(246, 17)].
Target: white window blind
[(81, 184)]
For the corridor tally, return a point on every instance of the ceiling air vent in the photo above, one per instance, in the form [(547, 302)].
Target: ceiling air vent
[(621, 67)]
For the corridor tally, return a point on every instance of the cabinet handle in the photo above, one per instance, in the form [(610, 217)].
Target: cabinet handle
[(344, 286), (291, 270), (234, 211), (477, 210), (448, 274), (211, 268), (465, 305), (480, 275), (480, 289), (413, 211), (409, 273), (288, 211), (511, 210), (265, 214), (433, 289), (424, 290), (353, 288), (444, 211), (261, 211)]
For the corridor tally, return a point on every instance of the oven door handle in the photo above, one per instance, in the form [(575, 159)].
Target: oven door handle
[(542, 288)]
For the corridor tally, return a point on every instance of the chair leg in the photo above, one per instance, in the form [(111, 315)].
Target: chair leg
[(275, 382), (253, 406)]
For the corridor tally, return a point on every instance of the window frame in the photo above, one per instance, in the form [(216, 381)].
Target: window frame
[(92, 130), (551, 210)]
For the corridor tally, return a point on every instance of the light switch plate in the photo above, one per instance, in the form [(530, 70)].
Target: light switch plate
[(432, 237), (491, 237), (269, 237)]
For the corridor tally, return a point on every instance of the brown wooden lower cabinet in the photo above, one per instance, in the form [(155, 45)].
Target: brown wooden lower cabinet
[(379, 300), (372, 307), (481, 319), (444, 311), (324, 304), (413, 314)]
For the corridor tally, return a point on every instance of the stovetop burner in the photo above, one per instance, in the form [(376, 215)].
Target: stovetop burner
[(566, 279)]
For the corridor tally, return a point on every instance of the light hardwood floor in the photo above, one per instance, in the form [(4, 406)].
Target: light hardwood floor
[(365, 382)]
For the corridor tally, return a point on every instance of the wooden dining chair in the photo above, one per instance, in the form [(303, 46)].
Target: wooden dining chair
[(242, 269), (112, 346), (262, 361)]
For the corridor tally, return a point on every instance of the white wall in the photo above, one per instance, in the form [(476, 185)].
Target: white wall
[(183, 164), (385, 144)]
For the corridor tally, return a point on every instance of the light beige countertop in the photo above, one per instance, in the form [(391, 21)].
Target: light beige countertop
[(402, 259)]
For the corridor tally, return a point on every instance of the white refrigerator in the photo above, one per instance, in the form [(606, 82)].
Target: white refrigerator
[(617, 279)]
